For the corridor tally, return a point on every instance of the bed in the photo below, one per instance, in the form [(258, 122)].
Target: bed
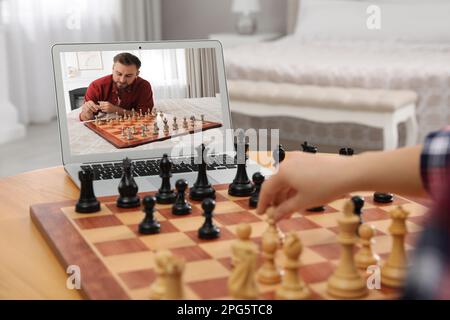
[(317, 54)]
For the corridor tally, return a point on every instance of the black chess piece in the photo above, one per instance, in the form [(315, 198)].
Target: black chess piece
[(383, 197), (358, 204), (181, 206), (87, 203), (127, 187), (241, 185), (311, 149), (208, 230), (316, 209), (346, 151), (258, 180), (149, 225), (308, 148), (202, 189), (278, 155), (165, 194)]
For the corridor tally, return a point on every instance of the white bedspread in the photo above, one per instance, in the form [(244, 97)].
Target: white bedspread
[(422, 68)]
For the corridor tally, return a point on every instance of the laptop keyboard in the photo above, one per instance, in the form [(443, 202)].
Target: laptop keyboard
[(142, 168)]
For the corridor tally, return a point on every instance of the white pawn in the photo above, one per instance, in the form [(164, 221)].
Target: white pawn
[(365, 257), (393, 272), (158, 288), (174, 271), (269, 273), (292, 287), (243, 232), (242, 283), (272, 227)]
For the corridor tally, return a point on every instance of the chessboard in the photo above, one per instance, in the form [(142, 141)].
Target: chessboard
[(138, 129), (117, 262)]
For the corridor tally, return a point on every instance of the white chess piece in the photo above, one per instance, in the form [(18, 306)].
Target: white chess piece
[(393, 272), (346, 281), (292, 286)]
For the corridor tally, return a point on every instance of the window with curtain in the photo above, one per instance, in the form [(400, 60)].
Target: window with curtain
[(166, 71), (33, 26)]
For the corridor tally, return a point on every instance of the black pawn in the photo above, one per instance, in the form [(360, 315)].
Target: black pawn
[(181, 206), (128, 188), (241, 185), (278, 155), (382, 197), (208, 230), (358, 203), (308, 148), (149, 225), (346, 151), (258, 180), (311, 149), (165, 194), (87, 203), (202, 189)]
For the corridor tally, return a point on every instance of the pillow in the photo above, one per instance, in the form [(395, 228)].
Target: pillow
[(401, 20)]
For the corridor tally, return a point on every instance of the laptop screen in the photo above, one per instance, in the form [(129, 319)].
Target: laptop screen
[(140, 102)]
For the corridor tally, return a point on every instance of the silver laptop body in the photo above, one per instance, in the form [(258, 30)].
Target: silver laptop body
[(72, 60)]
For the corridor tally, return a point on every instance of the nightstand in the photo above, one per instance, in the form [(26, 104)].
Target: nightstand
[(230, 40)]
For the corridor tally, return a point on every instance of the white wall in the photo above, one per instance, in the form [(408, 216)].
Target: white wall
[(196, 19)]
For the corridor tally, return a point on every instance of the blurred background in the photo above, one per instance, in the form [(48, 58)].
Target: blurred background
[(287, 53)]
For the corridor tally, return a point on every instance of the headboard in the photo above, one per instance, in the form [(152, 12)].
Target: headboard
[(292, 11)]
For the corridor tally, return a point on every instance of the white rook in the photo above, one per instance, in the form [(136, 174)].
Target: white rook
[(10, 128)]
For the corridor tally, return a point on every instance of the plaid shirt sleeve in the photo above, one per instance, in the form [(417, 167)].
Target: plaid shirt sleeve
[(435, 161)]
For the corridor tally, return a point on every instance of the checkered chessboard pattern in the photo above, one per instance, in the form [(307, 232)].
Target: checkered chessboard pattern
[(118, 262), (112, 130)]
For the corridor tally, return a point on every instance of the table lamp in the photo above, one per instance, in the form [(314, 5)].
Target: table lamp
[(246, 23)]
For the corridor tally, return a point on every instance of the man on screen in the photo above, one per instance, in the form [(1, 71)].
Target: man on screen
[(119, 92)]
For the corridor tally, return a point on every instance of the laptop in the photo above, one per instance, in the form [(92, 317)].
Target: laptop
[(187, 79)]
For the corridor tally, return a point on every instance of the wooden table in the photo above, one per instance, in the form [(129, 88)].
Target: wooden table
[(28, 268)]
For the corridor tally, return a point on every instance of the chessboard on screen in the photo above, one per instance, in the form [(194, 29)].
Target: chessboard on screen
[(149, 97)]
